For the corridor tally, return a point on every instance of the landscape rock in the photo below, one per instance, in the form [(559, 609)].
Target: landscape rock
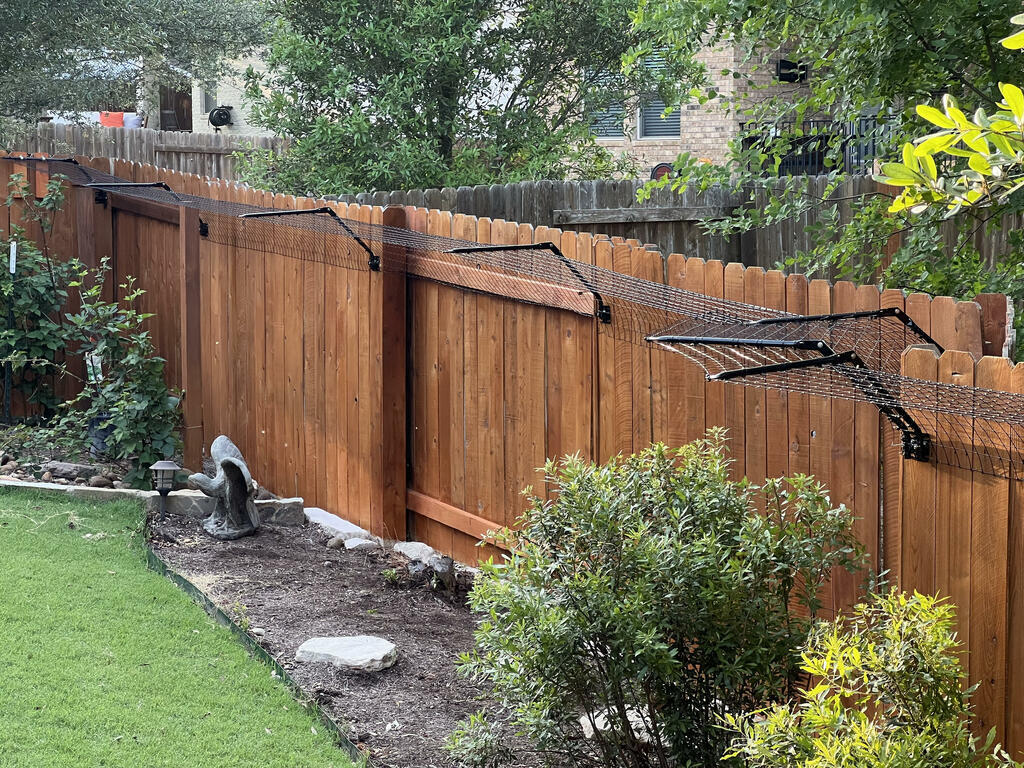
[(444, 570), (100, 481), (364, 653), (47, 477), (262, 494), (636, 724), (361, 545), (9, 467), (414, 550), (71, 471), (108, 494), (418, 570), (281, 511), (335, 526), (184, 503)]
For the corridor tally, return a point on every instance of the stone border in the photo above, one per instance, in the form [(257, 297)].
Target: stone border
[(185, 502)]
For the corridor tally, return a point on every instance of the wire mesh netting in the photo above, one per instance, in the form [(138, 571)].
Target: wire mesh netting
[(852, 356)]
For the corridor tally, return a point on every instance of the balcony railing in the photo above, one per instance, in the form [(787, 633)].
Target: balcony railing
[(818, 146)]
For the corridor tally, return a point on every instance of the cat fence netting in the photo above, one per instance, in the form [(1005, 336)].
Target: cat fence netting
[(851, 356)]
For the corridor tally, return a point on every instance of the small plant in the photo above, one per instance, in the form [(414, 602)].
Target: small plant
[(241, 614), (642, 604), (889, 693), (391, 577)]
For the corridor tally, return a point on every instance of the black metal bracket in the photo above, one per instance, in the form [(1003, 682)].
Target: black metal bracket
[(374, 259), (100, 187), (603, 312), (99, 196), (896, 312), (916, 443), (204, 229)]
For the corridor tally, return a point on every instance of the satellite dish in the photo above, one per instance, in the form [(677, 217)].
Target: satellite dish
[(220, 116)]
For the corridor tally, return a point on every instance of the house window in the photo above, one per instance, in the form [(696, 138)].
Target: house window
[(608, 123), (651, 123), (209, 100)]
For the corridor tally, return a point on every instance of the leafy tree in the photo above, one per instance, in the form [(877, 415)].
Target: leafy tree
[(642, 603), (888, 694), (420, 93), (73, 56), (870, 60)]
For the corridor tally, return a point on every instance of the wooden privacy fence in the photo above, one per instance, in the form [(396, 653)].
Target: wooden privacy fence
[(423, 409), (961, 534), (206, 154)]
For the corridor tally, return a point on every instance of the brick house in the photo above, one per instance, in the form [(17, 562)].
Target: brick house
[(700, 129)]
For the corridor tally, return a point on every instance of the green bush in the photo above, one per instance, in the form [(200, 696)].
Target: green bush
[(889, 695), (645, 602), (122, 395)]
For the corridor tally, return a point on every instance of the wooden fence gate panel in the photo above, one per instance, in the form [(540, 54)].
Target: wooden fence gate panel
[(961, 537)]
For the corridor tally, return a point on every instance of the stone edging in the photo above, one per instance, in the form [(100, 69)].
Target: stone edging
[(186, 502)]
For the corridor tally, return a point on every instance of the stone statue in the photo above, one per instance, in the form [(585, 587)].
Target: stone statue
[(235, 515)]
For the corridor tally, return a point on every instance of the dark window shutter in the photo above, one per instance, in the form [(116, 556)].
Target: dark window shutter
[(653, 125), (609, 122)]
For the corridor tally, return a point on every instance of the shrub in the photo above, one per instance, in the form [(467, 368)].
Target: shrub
[(643, 603), (122, 396), (889, 695)]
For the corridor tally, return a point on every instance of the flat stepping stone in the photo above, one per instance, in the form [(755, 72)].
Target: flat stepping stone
[(364, 653)]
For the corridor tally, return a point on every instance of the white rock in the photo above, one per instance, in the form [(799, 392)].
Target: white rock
[(361, 545), (636, 724), (361, 652), (414, 550), (335, 526)]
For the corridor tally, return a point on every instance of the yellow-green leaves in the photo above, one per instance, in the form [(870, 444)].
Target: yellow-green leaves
[(1015, 41), (1014, 97), (932, 115), (932, 172)]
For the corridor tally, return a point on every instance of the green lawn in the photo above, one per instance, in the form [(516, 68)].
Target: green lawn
[(105, 663)]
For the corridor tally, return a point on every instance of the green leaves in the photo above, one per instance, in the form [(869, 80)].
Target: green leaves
[(123, 391), (888, 693), (430, 93), (1014, 99), (649, 594)]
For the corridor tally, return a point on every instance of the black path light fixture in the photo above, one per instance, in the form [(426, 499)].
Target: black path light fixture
[(163, 481)]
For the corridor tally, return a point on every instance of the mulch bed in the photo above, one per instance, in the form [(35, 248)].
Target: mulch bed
[(286, 582)]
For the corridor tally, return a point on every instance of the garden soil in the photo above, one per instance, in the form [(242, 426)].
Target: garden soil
[(287, 583)]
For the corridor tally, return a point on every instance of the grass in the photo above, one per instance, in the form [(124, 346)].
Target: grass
[(105, 663)]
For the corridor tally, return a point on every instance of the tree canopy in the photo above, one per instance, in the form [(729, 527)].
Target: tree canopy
[(419, 93), (73, 56)]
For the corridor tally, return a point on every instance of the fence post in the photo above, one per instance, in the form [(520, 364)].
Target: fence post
[(190, 288), (388, 461)]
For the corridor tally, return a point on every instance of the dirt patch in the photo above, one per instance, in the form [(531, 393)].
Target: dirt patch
[(286, 582)]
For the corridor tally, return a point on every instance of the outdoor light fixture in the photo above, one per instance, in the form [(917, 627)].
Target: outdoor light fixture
[(163, 482)]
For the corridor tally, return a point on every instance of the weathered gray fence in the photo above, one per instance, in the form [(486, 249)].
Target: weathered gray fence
[(205, 154), (668, 220)]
